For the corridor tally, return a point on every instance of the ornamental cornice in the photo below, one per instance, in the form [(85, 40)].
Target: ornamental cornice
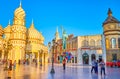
[(18, 39)]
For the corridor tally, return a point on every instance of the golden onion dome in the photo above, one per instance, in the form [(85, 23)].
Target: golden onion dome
[(8, 28), (34, 34), (42, 38), (19, 12), (1, 30)]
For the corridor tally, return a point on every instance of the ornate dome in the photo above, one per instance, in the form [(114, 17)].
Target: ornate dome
[(19, 12), (110, 18), (34, 34), (1, 30)]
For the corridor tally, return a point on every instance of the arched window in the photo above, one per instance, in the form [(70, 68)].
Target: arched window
[(4, 36), (114, 57), (99, 42), (92, 42), (113, 42), (84, 43)]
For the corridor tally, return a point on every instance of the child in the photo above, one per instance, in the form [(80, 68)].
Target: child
[(64, 62)]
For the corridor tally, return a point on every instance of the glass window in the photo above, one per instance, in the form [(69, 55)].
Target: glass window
[(114, 57), (84, 43), (113, 43), (92, 42), (99, 42), (107, 43)]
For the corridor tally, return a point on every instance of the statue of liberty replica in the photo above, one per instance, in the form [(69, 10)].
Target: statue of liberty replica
[(64, 40), (64, 43)]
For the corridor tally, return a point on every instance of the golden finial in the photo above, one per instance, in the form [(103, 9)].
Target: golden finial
[(57, 29), (9, 22), (109, 12), (32, 24), (20, 4)]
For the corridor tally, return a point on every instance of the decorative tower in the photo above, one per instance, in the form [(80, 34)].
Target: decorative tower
[(57, 35), (18, 35), (1, 43), (7, 31), (111, 27)]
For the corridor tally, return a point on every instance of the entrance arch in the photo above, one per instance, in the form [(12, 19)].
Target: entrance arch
[(114, 57), (85, 57), (93, 57)]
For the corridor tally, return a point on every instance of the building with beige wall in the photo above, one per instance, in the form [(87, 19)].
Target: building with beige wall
[(89, 48)]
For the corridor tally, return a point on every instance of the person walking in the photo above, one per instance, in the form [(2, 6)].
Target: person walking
[(10, 69), (102, 66), (96, 67), (64, 63), (14, 65), (93, 66), (10, 65)]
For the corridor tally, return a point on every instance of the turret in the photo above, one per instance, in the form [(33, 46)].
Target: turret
[(112, 36), (19, 16), (57, 35)]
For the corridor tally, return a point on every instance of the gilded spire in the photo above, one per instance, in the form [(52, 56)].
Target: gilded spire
[(32, 24), (109, 12), (9, 22), (57, 30), (19, 16), (57, 34), (20, 4)]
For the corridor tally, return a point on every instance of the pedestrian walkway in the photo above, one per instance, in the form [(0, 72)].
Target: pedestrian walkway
[(71, 72)]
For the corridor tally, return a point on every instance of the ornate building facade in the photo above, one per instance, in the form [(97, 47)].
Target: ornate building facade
[(83, 48), (19, 43), (111, 31), (86, 48), (89, 48)]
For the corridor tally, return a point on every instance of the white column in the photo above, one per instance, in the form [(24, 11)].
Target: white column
[(103, 48), (3, 54), (38, 58), (89, 59), (80, 57), (97, 56)]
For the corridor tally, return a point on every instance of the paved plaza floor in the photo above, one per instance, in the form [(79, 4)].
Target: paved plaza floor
[(71, 72)]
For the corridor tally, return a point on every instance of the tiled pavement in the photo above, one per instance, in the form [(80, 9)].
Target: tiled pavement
[(71, 72)]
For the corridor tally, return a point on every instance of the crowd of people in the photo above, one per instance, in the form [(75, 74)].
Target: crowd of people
[(8, 64), (11, 65), (95, 66)]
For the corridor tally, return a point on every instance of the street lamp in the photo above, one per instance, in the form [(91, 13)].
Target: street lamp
[(52, 69)]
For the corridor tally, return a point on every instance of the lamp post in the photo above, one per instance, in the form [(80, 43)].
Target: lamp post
[(52, 69)]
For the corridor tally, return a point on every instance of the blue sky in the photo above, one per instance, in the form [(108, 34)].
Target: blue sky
[(78, 17)]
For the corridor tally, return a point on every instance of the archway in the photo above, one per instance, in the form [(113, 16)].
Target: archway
[(114, 57), (85, 57), (93, 57)]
